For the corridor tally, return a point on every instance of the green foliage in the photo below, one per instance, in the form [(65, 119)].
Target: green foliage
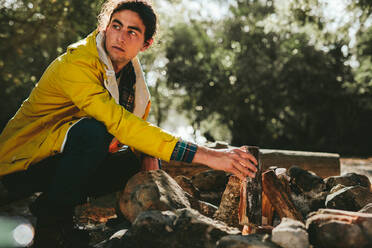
[(272, 87), (32, 34), (271, 72), (194, 66), (363, 75)]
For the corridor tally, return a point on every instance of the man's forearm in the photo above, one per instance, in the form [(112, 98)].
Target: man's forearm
[(204, 155)]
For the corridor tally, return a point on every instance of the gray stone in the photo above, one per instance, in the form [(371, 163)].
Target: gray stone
[(210, 180), (307, 190), (114, 241), (281, 173), (151, 190), (349, 198), (290, 234), (366, 209), (340, 229), (349, 179), (181, 228), (249, 241), (337, 188), (305, 181)]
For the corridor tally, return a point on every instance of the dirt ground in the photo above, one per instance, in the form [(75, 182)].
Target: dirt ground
[(358, 165)]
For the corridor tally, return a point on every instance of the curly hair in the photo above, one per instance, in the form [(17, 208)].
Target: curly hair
[(142, 7)]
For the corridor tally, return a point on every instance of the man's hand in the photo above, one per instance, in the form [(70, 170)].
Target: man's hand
[(235, 160), (149, 163)]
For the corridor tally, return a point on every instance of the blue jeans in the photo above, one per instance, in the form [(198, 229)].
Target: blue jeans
[(85, 168)]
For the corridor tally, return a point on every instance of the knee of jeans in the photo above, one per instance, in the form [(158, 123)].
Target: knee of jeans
[(91, 132)]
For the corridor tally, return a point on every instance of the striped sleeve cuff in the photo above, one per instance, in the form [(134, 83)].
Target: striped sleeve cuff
[(184, 151)]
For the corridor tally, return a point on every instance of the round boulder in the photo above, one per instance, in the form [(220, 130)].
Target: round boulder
[(151, 190)]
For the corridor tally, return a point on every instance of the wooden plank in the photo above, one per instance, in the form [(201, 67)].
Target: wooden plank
[(323, 164)]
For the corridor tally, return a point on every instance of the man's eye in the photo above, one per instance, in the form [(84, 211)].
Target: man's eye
[(132, 32), (117, 27)]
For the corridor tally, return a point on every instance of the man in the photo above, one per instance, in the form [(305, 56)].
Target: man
[(88, 101)]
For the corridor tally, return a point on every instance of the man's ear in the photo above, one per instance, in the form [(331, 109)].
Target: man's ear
[(147, 44)]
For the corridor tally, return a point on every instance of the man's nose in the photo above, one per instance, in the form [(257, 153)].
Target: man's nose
[(122, 37)]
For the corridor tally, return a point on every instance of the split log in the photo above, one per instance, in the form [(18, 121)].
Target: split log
[(250, 205), (267, 210), (279, 197), (229, 207), (241, 201)]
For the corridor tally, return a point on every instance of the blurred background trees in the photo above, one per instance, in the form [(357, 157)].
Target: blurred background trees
[(32, 34), (277, 74)]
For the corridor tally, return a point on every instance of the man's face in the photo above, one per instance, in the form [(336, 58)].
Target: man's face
[(125, 38)]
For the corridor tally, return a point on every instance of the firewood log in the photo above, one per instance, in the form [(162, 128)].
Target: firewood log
[(279, 197)]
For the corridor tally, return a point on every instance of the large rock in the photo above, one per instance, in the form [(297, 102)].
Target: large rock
[(151, 190), (367, 209), (308, 191), (336, 188), (329, 228), (182, 228), (349, 179), (305, 181), (114, 241), (349, 198), (211, 180), (290, 234), (249, 241)]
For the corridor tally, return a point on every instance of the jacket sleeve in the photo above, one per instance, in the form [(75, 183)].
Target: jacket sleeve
[(82, 85)]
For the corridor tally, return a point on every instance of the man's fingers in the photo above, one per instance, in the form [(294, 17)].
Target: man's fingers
[(237, 173), (249, 170), (243, 152), (248, 165), (244, 170), (245, 162)]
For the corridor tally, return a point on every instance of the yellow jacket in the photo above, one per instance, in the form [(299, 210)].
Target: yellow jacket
[(71, 88)]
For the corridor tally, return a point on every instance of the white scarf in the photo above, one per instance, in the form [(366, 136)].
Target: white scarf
[(142, 94)]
